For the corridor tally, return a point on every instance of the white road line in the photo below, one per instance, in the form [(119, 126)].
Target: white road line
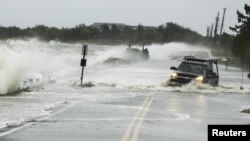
[(29, 123)]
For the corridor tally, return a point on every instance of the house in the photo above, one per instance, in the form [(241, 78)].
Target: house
[(100, 25)]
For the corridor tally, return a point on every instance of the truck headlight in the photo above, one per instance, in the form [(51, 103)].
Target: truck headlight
[(199, 78), (174, 75)]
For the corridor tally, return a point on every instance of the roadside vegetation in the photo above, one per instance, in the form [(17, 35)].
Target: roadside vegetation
[(247, 111), (106, 33), (241, 43)]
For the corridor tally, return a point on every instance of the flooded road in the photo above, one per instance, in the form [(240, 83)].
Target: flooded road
[(127, 102)]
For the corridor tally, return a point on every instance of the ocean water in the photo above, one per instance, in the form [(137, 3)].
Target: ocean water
[(48, 76)]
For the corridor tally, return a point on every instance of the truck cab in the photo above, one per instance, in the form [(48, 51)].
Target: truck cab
[(194, 69)]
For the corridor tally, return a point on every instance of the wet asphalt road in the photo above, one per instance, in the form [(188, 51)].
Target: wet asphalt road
[(155, 117)]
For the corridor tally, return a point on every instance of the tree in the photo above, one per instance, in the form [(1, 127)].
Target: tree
[(242, 40), (106, 32), (114, 29), (140, 32), (244, 21)]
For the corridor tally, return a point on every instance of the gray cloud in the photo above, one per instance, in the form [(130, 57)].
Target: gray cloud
[(196, 14)]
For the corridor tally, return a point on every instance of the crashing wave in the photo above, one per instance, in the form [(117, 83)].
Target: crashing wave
[(114, 60)]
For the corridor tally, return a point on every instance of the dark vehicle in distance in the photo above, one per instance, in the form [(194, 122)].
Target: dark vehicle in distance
[(137, 54), (194, 69)]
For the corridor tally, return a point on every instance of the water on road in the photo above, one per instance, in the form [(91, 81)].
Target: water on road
[(51, 71)]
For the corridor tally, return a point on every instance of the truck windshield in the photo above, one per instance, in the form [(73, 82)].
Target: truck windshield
[(192, 68)]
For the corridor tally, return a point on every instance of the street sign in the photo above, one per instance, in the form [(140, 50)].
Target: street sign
[(83, 62)]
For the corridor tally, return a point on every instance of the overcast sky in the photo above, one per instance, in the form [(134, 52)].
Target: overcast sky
[(195, 14)]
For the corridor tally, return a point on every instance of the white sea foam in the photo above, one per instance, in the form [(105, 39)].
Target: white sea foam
[(55, 67)]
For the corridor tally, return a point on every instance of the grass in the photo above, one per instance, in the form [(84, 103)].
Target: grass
[(247, 111)]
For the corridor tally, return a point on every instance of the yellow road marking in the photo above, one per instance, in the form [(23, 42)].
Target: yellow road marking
[(139, 115), (138, 126), (130, 127)]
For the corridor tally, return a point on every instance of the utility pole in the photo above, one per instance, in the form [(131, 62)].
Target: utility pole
[(222, 22), (83, 60), (211, 30), (248, 75), (208, 31), (216, 24), (242, 68), (242, 71), (221, 30)]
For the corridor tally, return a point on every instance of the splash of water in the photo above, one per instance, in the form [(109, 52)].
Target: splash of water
[(33, 62)]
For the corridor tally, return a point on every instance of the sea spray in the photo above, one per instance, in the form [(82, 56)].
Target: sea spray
[(33, 62)]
